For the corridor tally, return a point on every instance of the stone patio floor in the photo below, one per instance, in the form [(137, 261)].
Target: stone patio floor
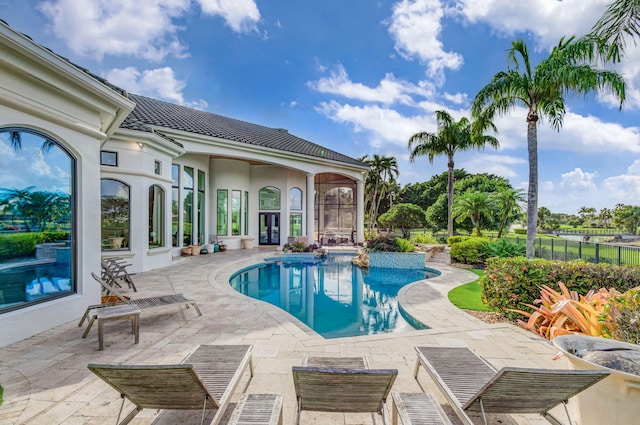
[(46, 379)]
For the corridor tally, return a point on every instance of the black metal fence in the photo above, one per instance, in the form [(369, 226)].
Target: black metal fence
[(566, 250)]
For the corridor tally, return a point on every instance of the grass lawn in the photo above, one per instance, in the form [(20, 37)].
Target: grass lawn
[(468, 296)]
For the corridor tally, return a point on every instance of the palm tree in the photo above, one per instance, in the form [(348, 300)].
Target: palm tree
[(451, 136), (543, 213), (472, 205), (542, 91), (380, 178), (508, 202), (604, 216), (620, 20)]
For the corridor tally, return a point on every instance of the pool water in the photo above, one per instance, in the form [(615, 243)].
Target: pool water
[(331, 295)]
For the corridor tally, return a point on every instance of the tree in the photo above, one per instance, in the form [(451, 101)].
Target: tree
[(620, 20), (604, 216), (508, 202), (472, 205), (542, 90), (405, 217), (543, 214), (587, 214), (426, 193), (437, 212), (629, 217), (451, 136), (380, 178)]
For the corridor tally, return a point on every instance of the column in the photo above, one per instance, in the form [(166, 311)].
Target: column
[(310, 208), (360, 211)]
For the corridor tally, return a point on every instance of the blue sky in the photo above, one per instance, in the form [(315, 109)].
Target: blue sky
[(358, 76)]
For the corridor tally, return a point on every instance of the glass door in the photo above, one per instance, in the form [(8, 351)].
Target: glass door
[(269, 228)]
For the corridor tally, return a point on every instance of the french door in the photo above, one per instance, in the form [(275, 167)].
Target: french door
[(269, 228)]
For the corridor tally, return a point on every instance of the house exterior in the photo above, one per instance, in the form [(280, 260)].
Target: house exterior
[(122, 175)]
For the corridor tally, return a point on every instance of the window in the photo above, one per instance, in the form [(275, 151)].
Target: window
[(156, 216), (187, 206), (157, 167), (295, 218), (236, 205), (40, 199), (109, 158), (246, 212), (269, 198), (201, 212), (115, 214), (222, 202), (295, 199), (295, 224), (175, 199)]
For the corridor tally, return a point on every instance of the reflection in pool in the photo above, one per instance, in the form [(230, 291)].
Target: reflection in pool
[(330, 295)]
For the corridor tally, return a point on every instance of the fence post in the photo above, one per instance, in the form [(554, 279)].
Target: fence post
[(566, 250), (539, 247), (619, 255), (551, 248), (597, 253), (580, 250)]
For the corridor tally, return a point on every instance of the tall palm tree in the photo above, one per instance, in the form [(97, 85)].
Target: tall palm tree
[(472, 205), (451, 136), (508, 202), (619, 21), (380, 178), (541, 90)]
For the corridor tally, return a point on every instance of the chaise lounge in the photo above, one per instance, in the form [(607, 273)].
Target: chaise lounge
[(473, 386), (206, 379), (170, 300)]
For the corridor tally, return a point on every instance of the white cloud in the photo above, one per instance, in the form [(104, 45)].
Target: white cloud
[(118, 27), (546, 20), (240, 15), (159, 83), (501, 165), (389, 91), (416, 28)]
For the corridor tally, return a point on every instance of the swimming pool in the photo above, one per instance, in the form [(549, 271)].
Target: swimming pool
[(332, 296)]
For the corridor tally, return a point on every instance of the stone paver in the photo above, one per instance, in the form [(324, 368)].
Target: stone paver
[(47, 382)]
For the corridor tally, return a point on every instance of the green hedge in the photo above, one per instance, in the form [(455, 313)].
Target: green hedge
[(20, 245), (509, 282), (469, 250)]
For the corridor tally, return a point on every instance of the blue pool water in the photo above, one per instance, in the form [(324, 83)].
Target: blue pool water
[(330, 295)]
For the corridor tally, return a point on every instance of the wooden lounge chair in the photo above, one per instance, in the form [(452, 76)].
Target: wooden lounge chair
[(206, 379), (345, 390), (176, 300), (473, 386), (114, 272)]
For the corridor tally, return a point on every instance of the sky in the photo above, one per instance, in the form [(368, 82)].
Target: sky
[(360, 76)]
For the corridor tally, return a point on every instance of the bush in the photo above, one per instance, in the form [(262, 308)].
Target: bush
[(520, 231), (389, 244), (404, 245), (624, 317), (424, 239), (452, 240), (469, 251), (509, 283), (18, 245), (503, 248)]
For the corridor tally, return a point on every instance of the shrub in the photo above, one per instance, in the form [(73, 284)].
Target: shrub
[(18, 245), (565, 312), (624, 317), (452, 240), (404, 245), (468, 251), (510, 283), (520, 231), (382, 243), (424, 239), (503, 248)]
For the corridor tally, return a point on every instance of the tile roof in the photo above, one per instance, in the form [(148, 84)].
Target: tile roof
[(156, 113)]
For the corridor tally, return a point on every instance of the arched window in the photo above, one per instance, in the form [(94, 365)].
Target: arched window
[(115, 214), (37, 219), (156, 216), (269, 198), (295, 213)]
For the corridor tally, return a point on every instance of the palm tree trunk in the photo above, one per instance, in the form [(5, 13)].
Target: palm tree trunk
[(532, 202), (450, 177)]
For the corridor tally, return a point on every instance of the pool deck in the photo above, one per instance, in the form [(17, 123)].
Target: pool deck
[(46, 380)]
